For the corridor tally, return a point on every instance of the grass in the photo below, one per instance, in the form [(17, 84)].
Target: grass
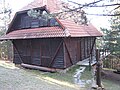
[(57, 76), (87, 75), (67, 77), (109, 85)]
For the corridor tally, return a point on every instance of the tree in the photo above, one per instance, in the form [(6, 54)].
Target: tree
[(108, 6), (112, 35), (5, 15)]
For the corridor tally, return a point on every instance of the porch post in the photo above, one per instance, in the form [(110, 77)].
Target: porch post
[(98, 68)]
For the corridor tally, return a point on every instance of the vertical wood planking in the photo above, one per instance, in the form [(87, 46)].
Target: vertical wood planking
[(65, 56)]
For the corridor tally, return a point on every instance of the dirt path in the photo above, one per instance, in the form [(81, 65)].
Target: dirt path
[(13, 78)]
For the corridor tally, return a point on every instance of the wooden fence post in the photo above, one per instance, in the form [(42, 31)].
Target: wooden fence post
[(98, 68)]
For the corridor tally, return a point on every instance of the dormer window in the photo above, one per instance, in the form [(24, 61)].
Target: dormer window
[(43, 22), (25, 22), (53, 22), (34, 23)]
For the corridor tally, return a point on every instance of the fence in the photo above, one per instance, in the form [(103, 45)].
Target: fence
[(111, 62)]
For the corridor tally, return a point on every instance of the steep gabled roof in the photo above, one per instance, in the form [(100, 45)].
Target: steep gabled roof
[(76, 30), (44, 32), (69, 28)]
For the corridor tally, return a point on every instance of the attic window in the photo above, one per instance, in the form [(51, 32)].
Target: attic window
[(43, 23), (38, 14), (25, 22), (53, 22), (34, 23)]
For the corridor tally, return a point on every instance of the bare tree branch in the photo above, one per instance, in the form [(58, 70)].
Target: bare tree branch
[(92, 3), (104, 14), (74, 2), (106, 5), (78, 9), (115, 9)]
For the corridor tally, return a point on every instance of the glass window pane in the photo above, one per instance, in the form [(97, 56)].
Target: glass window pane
[(35, 23), (43, 23), (53, 22)]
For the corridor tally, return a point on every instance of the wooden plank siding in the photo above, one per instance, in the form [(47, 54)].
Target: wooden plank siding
[(52, 52), (23, 21), (17, 59), (40, 52), (77, 49)]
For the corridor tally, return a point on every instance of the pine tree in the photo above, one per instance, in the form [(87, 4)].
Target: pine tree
[(112, 35)]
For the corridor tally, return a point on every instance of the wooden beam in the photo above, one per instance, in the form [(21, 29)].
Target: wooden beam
[(31, 51), (88, 52), (68, 53), (64, 55), (84, 46), (92, 46), (56, 53), (98, 69), (39, 68), (17, 52), (91, 53), (80, 50)]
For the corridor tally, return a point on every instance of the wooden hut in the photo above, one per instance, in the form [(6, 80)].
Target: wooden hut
[(52, 43)]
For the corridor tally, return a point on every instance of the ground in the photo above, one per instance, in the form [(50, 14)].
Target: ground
[(110, 75), (14, 78)]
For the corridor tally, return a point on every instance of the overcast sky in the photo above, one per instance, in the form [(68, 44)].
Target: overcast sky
[(95, 20)]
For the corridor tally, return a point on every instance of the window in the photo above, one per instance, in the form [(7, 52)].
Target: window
[(25, 22), (53, 22), (34, 23), (30, 22), (43, 22)]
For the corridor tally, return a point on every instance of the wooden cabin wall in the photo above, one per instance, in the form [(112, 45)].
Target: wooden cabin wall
[(17, 49), (70, 50), (87, 44), (35, 47), (77, 49), (22, 51), (52, 53), (40, 52)]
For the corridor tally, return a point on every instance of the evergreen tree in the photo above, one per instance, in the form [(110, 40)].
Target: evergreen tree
[(112, 35)]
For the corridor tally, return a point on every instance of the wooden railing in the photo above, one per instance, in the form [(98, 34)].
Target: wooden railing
[(109, 61), (104, 53)]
